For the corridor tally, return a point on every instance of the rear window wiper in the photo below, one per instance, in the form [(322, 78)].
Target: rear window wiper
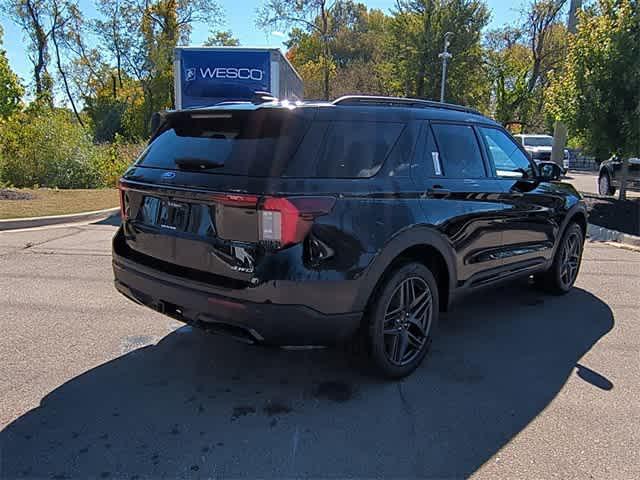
[(192, 163)]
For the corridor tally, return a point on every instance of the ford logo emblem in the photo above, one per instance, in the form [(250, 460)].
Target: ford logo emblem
[(168, 175)]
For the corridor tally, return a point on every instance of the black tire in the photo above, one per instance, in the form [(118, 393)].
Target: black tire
[(560, 278), (398, 335), (605, 188)]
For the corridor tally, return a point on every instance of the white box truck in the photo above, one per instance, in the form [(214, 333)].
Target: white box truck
[(205, 76)]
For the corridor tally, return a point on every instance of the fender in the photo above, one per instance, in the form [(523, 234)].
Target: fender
[(413, 236), (578, 209)]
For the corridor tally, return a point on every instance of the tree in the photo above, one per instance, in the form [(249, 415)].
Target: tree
[(31, 16), (521, 59), (598, 93), (357, 62), (139, 37), (11, 90), (113, 31), (417, 37), (62, 11), (309, 15), (222, 38)]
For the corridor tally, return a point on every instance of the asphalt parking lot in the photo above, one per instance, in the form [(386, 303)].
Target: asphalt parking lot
[(518, 384), (587, 182)]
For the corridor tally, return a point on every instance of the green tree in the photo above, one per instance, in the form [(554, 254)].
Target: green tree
[(222, 38), (521, 59), (417, 36), (598, 93), (11, 90)]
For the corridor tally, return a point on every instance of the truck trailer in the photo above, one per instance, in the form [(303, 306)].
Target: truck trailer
[(205, 76)]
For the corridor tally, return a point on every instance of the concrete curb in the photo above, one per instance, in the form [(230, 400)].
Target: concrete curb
[(18, 223), (602, 234)]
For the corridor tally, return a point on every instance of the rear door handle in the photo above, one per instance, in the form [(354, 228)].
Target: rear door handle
[(438, 192)]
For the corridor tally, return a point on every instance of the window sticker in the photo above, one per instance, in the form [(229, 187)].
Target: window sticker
[(436, 163)]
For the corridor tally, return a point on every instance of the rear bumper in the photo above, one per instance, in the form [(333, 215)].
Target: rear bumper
[(266, 322)]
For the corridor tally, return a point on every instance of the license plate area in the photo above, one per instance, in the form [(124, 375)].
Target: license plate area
[(163, 213)]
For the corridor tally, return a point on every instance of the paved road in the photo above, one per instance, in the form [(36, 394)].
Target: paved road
[(587, 182), (518, 385)]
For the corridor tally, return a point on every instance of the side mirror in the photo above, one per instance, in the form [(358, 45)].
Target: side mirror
[(549, 171)]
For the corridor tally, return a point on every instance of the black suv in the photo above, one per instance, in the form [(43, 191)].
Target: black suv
[(610, 175), (309, 224)]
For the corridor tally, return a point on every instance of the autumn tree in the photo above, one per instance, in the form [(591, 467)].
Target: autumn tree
[(138, 38), (312, 16), (357, 62)]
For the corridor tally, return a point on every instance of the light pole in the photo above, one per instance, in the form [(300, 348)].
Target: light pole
[(445, 56)]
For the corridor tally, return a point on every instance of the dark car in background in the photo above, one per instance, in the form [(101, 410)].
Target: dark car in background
[(317, 223), (610, 175)]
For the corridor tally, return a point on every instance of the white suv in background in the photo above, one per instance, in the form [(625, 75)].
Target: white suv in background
[(539, 147)]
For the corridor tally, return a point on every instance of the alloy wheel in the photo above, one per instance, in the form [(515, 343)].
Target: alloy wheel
[(570, 260), (407, 320)]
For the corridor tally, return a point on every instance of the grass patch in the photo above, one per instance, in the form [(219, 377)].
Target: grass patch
[(56, 202)]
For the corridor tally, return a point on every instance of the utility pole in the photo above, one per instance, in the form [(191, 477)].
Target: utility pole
[(560, 129), (445, 56)]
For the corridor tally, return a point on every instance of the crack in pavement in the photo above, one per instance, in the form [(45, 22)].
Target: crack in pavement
[(30, 245)]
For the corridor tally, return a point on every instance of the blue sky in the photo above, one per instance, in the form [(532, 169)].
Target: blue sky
[(239, 18)]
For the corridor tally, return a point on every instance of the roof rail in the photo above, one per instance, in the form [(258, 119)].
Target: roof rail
[(399, 101)]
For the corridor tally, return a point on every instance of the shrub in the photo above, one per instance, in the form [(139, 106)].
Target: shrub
[(47, 148), (113, 159)]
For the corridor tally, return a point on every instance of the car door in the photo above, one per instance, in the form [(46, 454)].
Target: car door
[(460, 199), (532, 209)]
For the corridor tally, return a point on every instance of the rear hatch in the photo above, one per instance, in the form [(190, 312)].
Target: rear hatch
[(196, 202)]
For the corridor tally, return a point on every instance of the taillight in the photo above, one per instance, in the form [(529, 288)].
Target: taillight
[(287, 221), (124, 210), (232, 200)]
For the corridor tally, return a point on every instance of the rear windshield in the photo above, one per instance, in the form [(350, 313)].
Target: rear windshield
[(538, 141), (273, 143)]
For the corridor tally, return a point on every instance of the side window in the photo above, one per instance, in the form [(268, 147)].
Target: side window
[(459, 151), (356, 149), (507, 158)]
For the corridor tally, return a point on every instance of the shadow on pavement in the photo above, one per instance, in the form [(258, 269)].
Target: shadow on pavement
[(197, 405), (113, 220)]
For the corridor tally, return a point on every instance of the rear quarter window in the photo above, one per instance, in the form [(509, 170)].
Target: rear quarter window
[(344, 149), (353, 149)]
